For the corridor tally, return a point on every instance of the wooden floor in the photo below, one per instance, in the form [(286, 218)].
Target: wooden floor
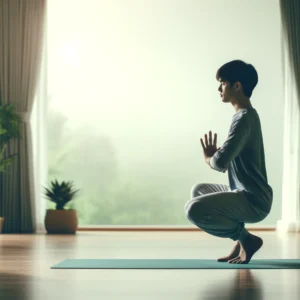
[(26, 260)]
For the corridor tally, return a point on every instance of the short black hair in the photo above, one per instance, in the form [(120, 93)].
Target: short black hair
[(238, 70)]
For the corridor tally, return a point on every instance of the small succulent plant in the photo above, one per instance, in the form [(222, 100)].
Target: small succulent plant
[(60, 193)]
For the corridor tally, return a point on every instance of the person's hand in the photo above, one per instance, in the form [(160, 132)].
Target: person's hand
[(210, 147)]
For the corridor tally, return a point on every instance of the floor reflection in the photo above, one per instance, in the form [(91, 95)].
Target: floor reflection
[(244, 286)]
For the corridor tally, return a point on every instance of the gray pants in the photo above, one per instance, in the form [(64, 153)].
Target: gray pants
[(221, 212)]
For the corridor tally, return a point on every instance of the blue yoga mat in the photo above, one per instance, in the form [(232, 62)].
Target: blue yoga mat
[(174, 264)]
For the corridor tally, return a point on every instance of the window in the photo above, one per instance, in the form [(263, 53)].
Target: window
[(131, 89)]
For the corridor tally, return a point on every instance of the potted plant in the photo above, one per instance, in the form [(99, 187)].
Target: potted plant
[(9, 129), (60, 220)]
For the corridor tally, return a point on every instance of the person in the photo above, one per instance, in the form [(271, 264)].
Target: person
[(222, 210)]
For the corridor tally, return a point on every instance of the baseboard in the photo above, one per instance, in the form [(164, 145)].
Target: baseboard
[(163, 228), (158, 228)]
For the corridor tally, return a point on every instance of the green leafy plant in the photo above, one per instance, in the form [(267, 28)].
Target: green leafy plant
[(9, 129), (60, 193)]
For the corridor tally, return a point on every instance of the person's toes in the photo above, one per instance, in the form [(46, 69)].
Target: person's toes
[(232, 261)]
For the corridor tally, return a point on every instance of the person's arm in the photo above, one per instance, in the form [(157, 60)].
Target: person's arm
[(235, 143), (207, 160)]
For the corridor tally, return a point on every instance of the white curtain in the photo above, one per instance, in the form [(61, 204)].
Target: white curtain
[(290, 14)]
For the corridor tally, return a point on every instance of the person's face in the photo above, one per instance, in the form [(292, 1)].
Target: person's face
[(225, 90), (227, 93)]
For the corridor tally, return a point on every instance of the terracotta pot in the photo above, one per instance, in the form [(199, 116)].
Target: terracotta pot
[(1, 224), (61, 221)]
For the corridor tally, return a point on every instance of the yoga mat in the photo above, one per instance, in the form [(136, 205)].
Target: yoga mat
[(174, 264)]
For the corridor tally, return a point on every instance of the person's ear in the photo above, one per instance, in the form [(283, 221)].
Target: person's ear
[(237, 86)]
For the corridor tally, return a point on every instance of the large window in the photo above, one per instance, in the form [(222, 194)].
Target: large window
[(132, 89)]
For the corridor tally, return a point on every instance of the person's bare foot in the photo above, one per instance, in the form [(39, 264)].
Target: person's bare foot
[(234, 253), (249, 246)]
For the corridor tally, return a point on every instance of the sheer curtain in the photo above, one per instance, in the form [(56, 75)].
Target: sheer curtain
[(290, 17), (40, 142)]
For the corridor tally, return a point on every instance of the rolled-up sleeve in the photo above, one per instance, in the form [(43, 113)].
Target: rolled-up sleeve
[(235, 143)]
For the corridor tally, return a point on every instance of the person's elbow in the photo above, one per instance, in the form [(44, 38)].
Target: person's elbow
[(218, 164)]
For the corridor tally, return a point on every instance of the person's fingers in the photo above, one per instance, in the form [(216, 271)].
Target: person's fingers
[(210, 137), (206, 143), (202, 144), (215, 140)]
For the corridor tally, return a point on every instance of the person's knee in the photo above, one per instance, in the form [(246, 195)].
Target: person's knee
[(195, 190), (187, 204), (195, 210)]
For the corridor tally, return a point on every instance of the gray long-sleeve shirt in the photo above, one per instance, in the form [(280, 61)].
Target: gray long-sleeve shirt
[(243, 156)]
